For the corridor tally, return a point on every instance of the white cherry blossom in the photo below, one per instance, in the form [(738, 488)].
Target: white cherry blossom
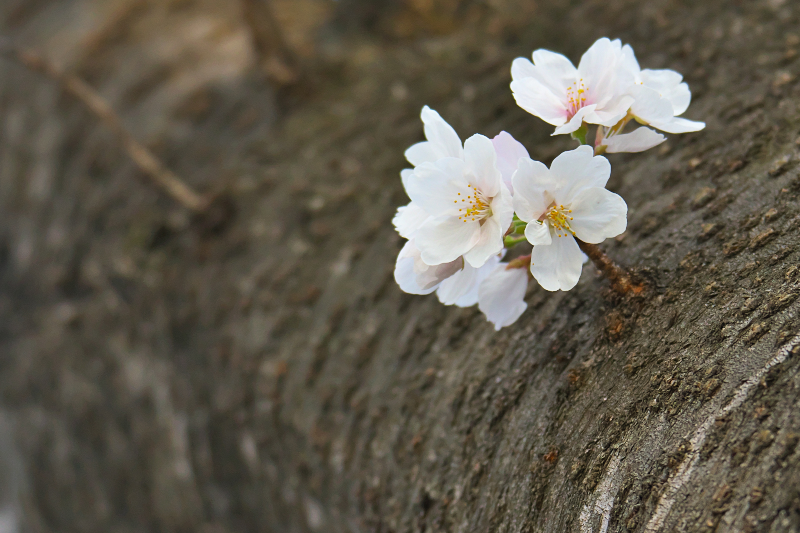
[(469, 206), (501, 295), (552, 89), (566, 201)]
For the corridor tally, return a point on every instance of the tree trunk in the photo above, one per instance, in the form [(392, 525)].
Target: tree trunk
[(266, 374)]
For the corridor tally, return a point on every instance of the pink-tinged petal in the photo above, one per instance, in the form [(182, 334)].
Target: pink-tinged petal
[(538, 233), (437, 187), (558, 266), (423, 152), (649, 107), (482, 165), (415, 277), (532, 181), (462, 288), (679, 125), (501, 296), (509, 152), (598, 214), (409, 219), (638, 140), (578, 169), (444, 239), (539, 101), (577, 120), (490, 243), (443, 138)]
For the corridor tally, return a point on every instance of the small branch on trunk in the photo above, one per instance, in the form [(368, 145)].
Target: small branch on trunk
[(144, 158), (621, 280)]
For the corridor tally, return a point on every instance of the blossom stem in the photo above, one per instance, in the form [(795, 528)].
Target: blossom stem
[(580, 134), (513, 240), (621, 280), (523, 261)]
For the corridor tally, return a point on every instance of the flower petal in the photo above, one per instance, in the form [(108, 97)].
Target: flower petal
[(638, 140), (649, 107), (578, 169), (415, 277), (680, 125), (554, 71), (629, 62), (404, 175), (489, 244), (532, 181), (457, 286), (584, 114), (606, 72), (462, 288), (482, 164), (611, 113), (443, 138), (501, 296), (409, 219), (509, 152), (558, 266), (522, 68), (668, 84), (423, 152), (503, 208), (444, 239), (598, 214), (598, 60), (436, 187), (538, 233), (539, 101)]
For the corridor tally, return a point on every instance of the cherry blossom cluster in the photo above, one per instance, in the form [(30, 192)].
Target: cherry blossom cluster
[(472, 202)]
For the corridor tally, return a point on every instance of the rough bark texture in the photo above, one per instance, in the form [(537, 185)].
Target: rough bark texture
[(265, 373)]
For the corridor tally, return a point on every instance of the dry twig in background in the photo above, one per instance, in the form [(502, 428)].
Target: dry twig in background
[(144, 158), (275, 57)]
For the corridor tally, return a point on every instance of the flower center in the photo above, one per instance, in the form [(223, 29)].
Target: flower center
[(475, 206), (559, 218), (576, 97)]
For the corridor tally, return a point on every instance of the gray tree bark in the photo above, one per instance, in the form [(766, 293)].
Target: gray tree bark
[(266, 374)]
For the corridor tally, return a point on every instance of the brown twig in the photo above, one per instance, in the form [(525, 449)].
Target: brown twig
[(621, 280), (275, 55), (144, 159)]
